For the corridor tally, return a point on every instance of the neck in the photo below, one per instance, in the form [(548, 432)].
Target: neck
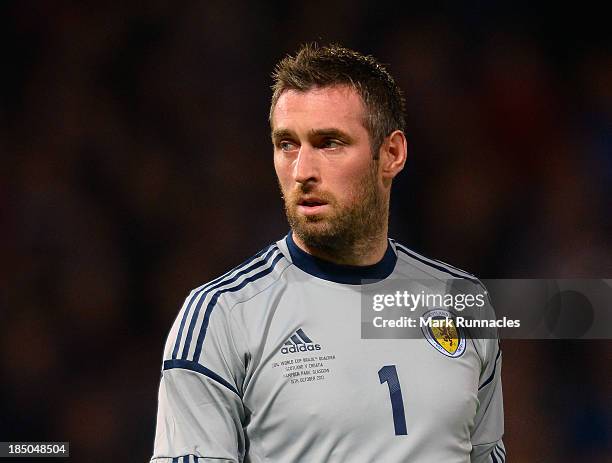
[(367, 250)]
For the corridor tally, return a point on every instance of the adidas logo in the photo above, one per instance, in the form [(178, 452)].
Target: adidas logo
[(299, 342)]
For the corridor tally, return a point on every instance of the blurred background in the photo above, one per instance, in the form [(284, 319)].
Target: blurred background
[(136, 164)]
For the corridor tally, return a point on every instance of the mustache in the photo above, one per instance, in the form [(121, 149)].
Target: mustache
[(296, 195)]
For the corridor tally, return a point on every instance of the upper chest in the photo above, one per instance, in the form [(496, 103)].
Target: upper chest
[(308, 359)]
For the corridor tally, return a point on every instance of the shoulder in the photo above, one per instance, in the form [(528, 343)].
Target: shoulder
[(244, 280), (418, 263), (212, 301)]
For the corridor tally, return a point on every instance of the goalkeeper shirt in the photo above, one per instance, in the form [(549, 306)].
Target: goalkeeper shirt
[(267, 364)]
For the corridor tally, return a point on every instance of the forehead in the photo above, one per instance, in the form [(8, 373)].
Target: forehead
[(339, 106)]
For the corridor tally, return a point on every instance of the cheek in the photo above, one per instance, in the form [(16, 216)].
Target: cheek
[(283, 173), (278, 167), (350, 181)]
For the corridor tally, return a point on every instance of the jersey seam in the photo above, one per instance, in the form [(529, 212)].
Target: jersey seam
[(467, 275), (489, 443), (209, 378), (231, 308), (238, 324), (492, 375), (489, 402), (223, 301), (200, 293), (481, 359), (405, 259), (235, 348)]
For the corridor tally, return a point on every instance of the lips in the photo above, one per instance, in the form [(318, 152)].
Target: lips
[(311, 202), (311, 205)]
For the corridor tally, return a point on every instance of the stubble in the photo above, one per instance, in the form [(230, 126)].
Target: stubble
[(349, 231)]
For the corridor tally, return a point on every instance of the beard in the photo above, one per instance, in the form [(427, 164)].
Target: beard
[(345, 228)]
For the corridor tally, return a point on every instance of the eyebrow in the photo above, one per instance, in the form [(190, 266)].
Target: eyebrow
[(331, 132), (278, 134)]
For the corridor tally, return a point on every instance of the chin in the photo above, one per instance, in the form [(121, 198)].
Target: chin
[(315, 234), (309, 228)]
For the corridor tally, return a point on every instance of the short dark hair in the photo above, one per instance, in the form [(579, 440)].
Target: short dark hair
[(324, 66)]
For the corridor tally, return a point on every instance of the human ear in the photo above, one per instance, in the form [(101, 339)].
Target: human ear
[(393, 153)]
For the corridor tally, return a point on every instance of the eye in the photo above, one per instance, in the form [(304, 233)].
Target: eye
[(287, 146), (331, 144)]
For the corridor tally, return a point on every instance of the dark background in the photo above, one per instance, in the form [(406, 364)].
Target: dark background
[(136, 164)]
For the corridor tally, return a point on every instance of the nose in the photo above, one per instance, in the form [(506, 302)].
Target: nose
[(306, 168)]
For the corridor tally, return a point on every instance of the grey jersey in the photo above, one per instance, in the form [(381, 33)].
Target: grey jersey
[(267, 364)]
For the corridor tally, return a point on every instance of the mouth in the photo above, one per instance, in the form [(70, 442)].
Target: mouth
[(311, 205)]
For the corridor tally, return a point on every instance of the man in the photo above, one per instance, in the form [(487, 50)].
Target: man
[(267, 363)]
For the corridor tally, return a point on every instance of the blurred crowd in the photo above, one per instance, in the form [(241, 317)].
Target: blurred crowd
[(136, 164)]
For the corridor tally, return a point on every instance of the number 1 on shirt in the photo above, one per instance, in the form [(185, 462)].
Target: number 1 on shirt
[(388, 374)]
